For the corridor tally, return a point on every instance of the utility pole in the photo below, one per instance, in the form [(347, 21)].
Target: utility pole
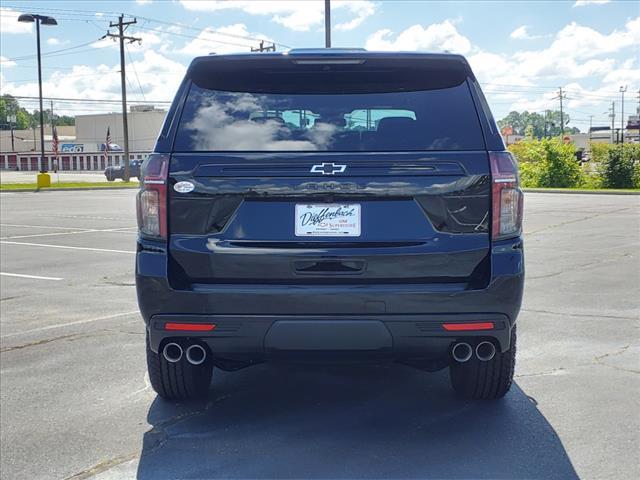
[(52, 127), (11, 118), (327, 23), (262, 48), (622, 90), (122, 26), (612, 114), (561, 95)]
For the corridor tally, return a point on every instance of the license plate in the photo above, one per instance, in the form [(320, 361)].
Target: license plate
[(327, 220)]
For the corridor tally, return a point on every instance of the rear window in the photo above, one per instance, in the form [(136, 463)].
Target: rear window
[(422, 120)]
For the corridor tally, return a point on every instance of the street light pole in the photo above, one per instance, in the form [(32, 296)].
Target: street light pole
[(622, 90), (327, 23), (41, 163), (45, 20)]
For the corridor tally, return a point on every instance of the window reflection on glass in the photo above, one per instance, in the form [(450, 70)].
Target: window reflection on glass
[(443, 119)]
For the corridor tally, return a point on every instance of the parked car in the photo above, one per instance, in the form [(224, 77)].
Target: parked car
[(113, 172), (113, 147), (377, 218)]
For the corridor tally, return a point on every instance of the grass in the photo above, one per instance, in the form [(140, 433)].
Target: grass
[(64, 185)]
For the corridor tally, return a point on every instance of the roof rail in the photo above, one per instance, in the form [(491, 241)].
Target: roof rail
[(324, 51)]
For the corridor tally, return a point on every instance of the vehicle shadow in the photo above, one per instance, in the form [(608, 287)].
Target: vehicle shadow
[(392, 421)]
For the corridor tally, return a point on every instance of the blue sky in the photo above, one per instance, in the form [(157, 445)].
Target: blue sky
[(521, 51)]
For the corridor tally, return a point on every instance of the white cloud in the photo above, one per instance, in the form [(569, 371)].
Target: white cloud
[(6, 63), (522, 33), (214, 40), (435, 37), (9, 22), (99, 14), (143, 2), (56, 41), (582, 3), (571, 54), (295, 15), (361, 10), (159, 77)]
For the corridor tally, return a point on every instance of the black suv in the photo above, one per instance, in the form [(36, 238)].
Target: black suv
[(330, 205), (112, 172)]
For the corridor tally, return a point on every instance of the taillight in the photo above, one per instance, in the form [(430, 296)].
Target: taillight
[(152, 198), (506, 196)]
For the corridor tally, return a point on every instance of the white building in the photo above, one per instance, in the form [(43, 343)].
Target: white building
[(144, 126)]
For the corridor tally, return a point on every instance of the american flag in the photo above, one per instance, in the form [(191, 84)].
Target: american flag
[(55, 143), (107, 144)]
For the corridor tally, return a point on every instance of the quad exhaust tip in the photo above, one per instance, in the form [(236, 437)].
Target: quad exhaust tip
[(196, 354), (172, 352), (485, 351), (461, 352)]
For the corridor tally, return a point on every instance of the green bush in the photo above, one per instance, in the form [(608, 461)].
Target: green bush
[(547, 163), (618, 165), (530, 174)]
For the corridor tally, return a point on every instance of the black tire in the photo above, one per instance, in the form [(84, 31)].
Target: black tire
[(490, 380), (180, 380)]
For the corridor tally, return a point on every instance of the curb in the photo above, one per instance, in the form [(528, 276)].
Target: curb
[(73, 189), (580, 192)]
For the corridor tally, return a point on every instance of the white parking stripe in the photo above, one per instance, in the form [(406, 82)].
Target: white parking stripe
[(6, 242), (35, 277), (38, 226), (69, 324), (72, 232)]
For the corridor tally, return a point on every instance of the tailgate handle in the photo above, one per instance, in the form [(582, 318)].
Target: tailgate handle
[(332, 267)]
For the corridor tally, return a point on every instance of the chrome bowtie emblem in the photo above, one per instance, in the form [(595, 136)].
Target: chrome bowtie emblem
[(328, 168)]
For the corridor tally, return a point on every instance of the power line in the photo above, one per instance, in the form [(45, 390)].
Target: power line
[(199, 37), (232, 35), (133, 65), (90, 15), (84, 100), (51, 53)]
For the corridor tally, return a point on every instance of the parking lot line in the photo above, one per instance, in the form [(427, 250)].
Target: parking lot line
[(72, 232), (68, 247), (35, 277), (69, 324), (38, 226)]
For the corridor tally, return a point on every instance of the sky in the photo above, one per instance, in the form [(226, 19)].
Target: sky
[(521, 52)]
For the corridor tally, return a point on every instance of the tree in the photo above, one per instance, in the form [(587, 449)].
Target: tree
[(521, 121), (24, 120), (9, 106)]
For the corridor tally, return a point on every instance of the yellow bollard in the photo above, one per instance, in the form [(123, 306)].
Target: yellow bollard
[(44, 180)]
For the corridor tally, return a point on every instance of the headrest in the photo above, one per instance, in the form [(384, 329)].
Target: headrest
[(395, 124)]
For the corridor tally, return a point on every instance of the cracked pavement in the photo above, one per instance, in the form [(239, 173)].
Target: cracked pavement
[(76, 403)]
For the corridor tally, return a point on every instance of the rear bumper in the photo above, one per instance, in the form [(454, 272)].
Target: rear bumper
[(264, 321)]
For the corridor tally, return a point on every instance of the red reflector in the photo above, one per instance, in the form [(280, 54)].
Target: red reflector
[(456, 327), (194, 327)]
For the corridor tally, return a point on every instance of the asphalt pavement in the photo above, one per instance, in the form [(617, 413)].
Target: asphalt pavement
[(12, 176), (75, 401)]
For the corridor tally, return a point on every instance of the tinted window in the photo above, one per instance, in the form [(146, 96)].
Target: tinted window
[(437, 119)]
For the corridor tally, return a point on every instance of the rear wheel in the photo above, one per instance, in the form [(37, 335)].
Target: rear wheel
[(180, 380), (478, 380)]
